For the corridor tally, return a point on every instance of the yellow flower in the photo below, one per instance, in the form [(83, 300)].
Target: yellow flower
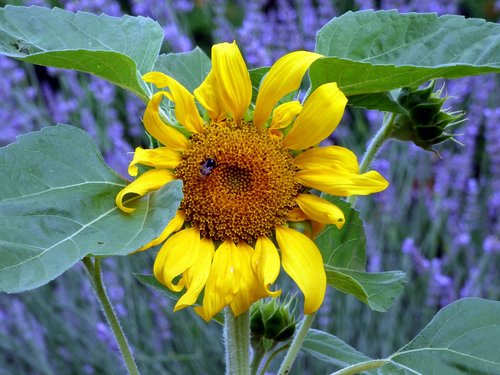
[(246, 174)]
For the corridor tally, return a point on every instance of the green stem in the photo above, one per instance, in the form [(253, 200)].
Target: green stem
[(360, 367), (270, 358), (94, 273), (237, 343), (376, 143), (297, 342), (258, 354)]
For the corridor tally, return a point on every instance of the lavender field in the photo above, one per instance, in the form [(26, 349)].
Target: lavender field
[(438, 221)]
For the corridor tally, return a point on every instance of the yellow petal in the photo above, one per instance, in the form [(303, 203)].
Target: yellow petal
[(161, 157), (232, 75), (266, 264), (284, 76), (284, 114), (173, 226), (176, 256), (329, 156), (302, 260), (224, 280), (145, 183), (296, 215), (164, 133), (208, 94), (250, 288), (342, 183), (320, 116), (320, 210), (185, 108), (196, 276), (227, 87)]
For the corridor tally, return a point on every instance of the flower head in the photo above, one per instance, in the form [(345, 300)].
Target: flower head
[(247, 171)]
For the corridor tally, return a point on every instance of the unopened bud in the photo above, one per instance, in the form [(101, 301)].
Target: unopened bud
[(426, 122)]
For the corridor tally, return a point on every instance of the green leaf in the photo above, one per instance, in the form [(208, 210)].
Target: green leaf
[(151, 282), (463, 338), (116, 49), (329, 348), (345, 248), (189, 68), (377, 289), (374, 52), (59, 206), (382, 101), (256, 76)]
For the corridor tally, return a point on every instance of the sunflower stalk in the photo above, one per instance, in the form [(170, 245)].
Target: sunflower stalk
[(237, 342), (93, 271), (296, 345)]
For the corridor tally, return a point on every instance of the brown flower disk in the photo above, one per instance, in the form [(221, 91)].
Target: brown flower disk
[(250, 190)]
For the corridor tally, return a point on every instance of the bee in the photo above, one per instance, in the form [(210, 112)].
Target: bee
[(207, 167)]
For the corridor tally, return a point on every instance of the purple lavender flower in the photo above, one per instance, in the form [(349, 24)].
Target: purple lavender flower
[(422, 265)]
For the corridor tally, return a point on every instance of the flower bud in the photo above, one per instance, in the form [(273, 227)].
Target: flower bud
[(426, 123), (272, 320)]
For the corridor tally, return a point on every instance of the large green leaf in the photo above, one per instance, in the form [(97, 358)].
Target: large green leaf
[(373, 52), (462, 339), (57, 205), (377, 289), (116, 49), (329, 348), (189, 68), (346, 247)]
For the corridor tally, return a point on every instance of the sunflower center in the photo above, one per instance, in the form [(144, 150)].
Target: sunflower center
[(236, 178), (238, 182)]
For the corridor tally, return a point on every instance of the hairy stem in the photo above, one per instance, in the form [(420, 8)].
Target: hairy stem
[(296, 344), (93, 270), (237, 342)]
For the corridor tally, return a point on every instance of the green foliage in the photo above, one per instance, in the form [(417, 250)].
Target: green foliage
[(375, 52), (256, 76), (189, 68), (329, 348), (377, 289), (116, 49), (151, 282), (344, 254), (60, 207), (346, 247), (461, 339)]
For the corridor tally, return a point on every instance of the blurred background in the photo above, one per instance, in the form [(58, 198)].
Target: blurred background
[(438, 220)]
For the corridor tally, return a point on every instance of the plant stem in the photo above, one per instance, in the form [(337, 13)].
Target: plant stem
[(376, 143), (270, 358), (237, 342), (363, 366), (258, 354), (297, 341), (94, 273)]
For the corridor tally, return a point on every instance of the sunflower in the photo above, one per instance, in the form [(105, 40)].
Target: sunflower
[(247, 172)]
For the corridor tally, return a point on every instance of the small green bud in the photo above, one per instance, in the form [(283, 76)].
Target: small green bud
[(273, 320), (426, 123)]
